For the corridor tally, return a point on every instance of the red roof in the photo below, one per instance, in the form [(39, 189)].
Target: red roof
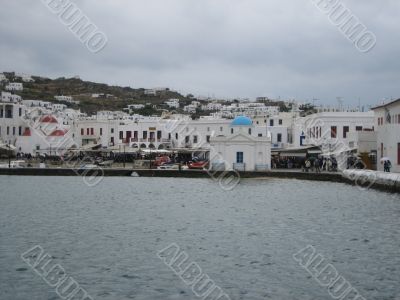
[(57, 132), (48, 119), (27, 132)]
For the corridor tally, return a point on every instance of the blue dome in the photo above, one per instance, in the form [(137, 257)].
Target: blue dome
[(242, 121)]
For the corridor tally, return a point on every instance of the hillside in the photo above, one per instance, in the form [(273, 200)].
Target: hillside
[(118, 97)]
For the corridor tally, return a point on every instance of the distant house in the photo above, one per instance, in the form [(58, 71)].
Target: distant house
[(68, 99), (172, 103), (64, 98), (24, 77), (15, 86)]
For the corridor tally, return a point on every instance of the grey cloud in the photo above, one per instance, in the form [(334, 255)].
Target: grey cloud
[(228, 48)]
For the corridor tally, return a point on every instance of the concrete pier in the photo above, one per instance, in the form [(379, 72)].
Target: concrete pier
[(362, 179)]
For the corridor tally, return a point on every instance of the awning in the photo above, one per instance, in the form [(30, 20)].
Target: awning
[(148, 151), (314, 151), (293, 154)]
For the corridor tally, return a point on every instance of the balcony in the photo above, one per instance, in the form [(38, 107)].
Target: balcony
[(152, 140)]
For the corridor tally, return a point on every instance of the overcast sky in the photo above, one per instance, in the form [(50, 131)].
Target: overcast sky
[(225, 48)]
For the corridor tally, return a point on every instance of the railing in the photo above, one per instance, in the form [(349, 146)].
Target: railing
[(133, 140), (152, 140)]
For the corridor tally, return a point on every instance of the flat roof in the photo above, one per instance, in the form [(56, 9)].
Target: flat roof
[(386, 104)]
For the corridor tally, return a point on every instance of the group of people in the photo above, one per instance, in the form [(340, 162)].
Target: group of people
[(316, 164), (386, 166)]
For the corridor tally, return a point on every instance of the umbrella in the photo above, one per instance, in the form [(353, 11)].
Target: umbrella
[(385, 159)]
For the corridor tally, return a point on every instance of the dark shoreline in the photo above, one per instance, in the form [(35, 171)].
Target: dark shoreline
[(114, 172)]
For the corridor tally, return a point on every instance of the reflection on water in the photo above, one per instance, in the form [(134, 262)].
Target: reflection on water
[(107, 237)]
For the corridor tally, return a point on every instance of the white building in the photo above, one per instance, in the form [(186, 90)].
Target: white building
[(387, 126), (133, 107), (3, 77), (15, 86), (37, 103), (172, 103), (46, 135), (241, 149), (12, 122), (8, 97), (333, 132), (24, 77), (190, 108), (64, 98)]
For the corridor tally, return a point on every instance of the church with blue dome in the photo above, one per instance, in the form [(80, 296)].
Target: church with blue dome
[(244, 148), (242, 121)]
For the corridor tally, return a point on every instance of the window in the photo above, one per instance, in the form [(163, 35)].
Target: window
[(280, 122), (359, 128), (260, 135), (20, 111), (381, 150), (112, 130), (13, 130), (271, 122), (279, 138), (82, 131), (239, 157), (92, 131), (257, 122), (221, 129), (208, 138), (176, 136), (87, 131), (101, 131), (195, 139), (145, 134), (345, 131), (250, 131), (169, 136), (112, 140), (19, 130), (159, 134), (208, 128), (231, 130), (333, 132), (187, 139), (121, 135)]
